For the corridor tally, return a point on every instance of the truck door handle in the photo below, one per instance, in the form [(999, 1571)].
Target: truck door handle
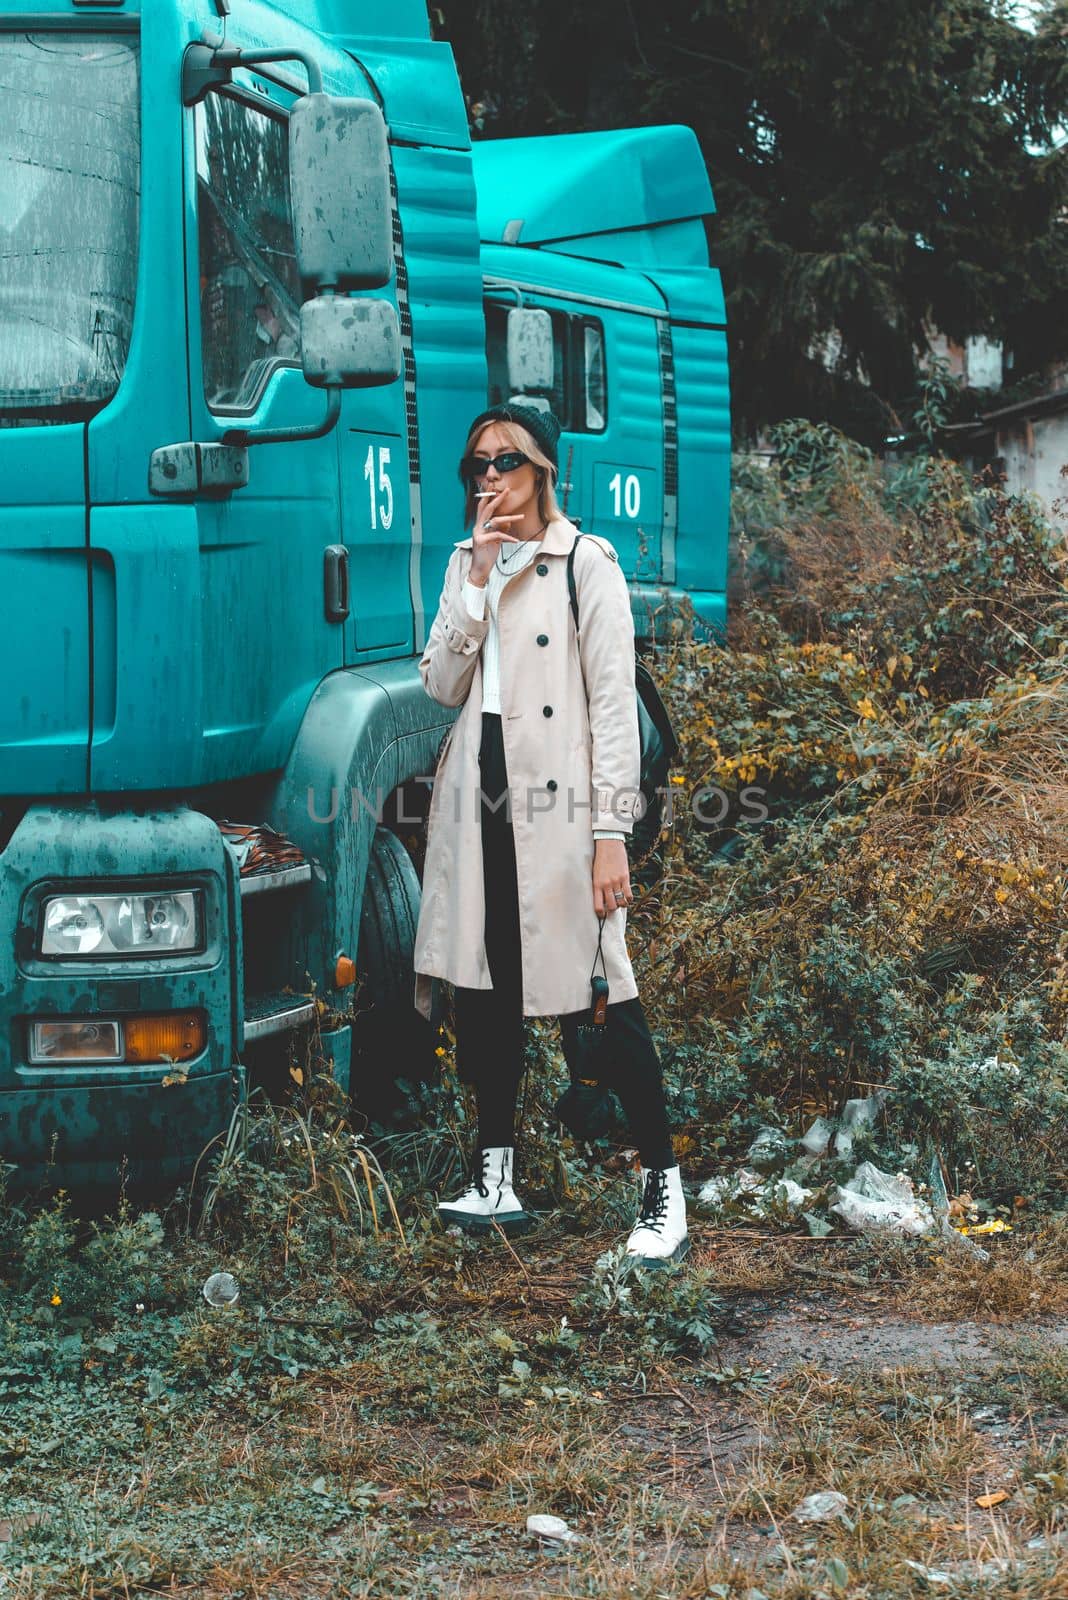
[(336, 582)]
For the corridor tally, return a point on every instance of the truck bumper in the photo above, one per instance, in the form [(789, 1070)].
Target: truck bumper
[(92, 1123), (658, 610), (102, 1134)]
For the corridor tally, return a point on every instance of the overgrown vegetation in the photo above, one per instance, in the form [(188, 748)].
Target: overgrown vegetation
[(884, 899), (873, 896)]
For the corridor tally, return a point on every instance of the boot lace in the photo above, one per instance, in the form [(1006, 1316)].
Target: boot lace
[(653, 1214), (478, 1184)]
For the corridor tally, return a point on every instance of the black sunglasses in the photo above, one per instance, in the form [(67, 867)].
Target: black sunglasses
[(478, 466)]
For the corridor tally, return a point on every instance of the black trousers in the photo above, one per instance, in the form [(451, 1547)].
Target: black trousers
[(490, 1032)]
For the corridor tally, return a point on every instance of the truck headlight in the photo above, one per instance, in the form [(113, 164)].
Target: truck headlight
[(86, 1039), (121, 924)]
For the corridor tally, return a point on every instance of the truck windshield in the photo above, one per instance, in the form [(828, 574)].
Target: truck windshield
[(70, 159)]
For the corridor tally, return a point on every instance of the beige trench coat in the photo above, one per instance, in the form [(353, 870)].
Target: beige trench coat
[(569, 722)]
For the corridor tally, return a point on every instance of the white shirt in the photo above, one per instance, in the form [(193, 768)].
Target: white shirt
[(480, 600)]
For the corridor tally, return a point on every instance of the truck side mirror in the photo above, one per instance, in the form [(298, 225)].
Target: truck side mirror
[(530, 349), (349, 344), (339, 188), (343, 234)]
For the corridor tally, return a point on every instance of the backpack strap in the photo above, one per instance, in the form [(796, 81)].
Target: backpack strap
[(571, 579)]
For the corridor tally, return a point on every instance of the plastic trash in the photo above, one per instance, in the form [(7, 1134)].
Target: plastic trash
[(756, 1193), (873, 1200), (221, 1289), (995, 1067), (769, 1151), (822, 1507), (940, 1211), (717, 1191), (791, 1194), (547, 1527), (857, 1114), (932, 1575), (817, 1138), (968, 1571)]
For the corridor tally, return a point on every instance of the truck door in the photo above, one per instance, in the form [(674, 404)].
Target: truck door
[(69, 134), (267, 640), (626, 486), (376, 503), (376, 520), (607, 394)]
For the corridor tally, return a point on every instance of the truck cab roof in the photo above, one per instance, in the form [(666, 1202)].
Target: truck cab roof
[(561, 188)]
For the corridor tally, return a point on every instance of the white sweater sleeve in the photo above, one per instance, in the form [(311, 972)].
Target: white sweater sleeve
[(474, 598)]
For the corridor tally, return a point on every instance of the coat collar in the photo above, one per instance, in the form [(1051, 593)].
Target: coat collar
[(559, 537)]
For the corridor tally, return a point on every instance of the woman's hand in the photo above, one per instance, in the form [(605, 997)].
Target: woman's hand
[(487, 539), (611, 871)]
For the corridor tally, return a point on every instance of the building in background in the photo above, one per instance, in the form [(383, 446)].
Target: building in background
[(1024, 443)]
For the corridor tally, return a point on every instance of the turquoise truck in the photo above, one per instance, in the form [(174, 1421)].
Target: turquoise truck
[(254, 281)]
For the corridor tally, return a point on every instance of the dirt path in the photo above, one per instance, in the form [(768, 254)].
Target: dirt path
[(839, 1337)]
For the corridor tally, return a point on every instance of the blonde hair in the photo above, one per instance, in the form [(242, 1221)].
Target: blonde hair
[(518, 437)]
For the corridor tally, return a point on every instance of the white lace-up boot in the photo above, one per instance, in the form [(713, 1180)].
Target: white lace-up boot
[(489, 1197), (659, 1236)]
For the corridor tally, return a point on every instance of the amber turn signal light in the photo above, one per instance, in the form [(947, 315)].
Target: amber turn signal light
[(176, 1035), (344, 972)]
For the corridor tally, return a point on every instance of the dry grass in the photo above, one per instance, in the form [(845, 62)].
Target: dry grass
[(1026, 1277), (680, 1474), (820, 1432)]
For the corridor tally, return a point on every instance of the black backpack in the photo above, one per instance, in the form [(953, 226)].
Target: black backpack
[(659, 746)]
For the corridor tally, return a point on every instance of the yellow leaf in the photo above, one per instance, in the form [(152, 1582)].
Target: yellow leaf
[(297, 1074), (922, 688), (995, 1499)]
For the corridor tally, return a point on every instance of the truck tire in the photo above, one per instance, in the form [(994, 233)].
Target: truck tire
[(391, 1040)]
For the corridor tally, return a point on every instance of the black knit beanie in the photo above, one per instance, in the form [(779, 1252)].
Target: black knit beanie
[(544, 426)]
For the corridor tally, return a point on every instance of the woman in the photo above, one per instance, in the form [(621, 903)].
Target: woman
[(526, 880)]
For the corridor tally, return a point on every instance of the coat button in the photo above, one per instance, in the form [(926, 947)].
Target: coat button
[(546, 711), (543, 638), (541, 568), (551, 783)]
